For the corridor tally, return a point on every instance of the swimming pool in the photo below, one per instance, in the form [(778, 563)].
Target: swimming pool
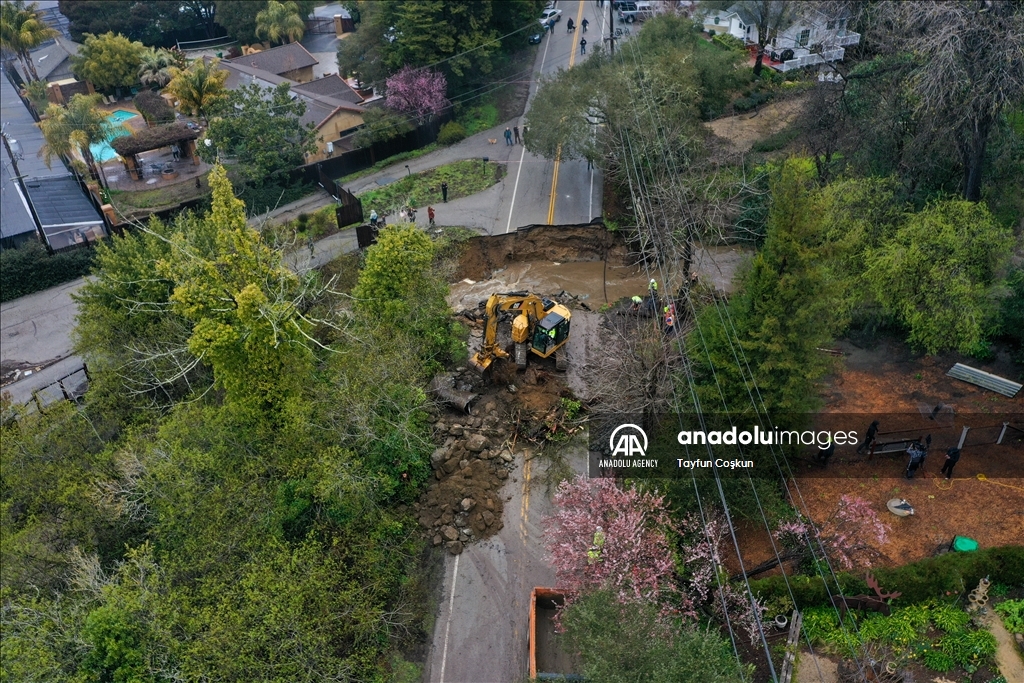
[(102, 151)]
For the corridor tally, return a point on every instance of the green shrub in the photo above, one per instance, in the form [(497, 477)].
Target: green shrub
[(1012, 612), (969, 648), (776, 141), (937, 660), (478, 118), (727, 41), (451, 132), (755, 99), (919, 581), (30, 268)]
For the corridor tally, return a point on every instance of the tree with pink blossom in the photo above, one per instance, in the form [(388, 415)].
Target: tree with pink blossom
[(634, 560), (417, 92), (607, 537), (850, 536)]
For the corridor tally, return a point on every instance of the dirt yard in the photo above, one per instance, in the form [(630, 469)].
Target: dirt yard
[(743, 130), (985, 498)]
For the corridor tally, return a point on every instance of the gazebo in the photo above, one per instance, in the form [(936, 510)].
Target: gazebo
[(173, 134)]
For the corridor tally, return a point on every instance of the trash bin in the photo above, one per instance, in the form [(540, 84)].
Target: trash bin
[(962, 544)]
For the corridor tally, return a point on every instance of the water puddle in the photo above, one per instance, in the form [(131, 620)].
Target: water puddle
[(594, 283)]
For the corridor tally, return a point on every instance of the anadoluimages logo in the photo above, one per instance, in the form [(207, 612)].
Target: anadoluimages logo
[(628, 443)]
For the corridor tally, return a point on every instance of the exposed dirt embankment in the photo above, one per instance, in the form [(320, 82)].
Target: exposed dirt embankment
[(565, 244)]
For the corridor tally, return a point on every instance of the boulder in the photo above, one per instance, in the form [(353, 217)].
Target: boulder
[(437, 539), (455, 430), (488, 517), (506, 456), (502, 474), (451, 465), (454, 547), (438, 457), (467, 504), (463, 464), (476, 443), (450, 532)]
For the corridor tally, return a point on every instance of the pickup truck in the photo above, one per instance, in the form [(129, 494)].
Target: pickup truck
[(548, 662), (635, 11)]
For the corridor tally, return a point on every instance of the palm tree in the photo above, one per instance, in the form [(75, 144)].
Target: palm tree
[(76, 126), (198, 88), (22, 30), (280, 22), (155, 67)]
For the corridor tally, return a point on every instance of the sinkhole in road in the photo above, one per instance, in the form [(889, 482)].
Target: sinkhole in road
[(592, 264)]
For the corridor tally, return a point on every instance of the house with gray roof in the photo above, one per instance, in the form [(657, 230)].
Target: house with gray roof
[(291, 61)]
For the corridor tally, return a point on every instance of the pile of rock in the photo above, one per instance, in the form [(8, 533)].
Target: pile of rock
[(470, 467)]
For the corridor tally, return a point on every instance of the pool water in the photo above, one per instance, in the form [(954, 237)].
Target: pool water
[(102, 151)]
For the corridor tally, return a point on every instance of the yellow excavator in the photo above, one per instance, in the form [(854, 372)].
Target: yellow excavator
[(539, 325)]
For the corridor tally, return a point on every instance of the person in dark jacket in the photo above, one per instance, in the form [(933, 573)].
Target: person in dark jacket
[(825, 453), (444, 192), (869, 438), (952, 457), (917, 454), (569, 26)]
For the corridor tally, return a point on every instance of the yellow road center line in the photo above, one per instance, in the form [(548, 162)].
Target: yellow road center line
[(558, 154), (525, 508)]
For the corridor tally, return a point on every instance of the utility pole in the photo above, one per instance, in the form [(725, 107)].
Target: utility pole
[(611, 26)]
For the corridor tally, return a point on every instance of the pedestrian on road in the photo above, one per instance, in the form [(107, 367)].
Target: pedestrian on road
[(869, 438), (583, 46), (430, 215), (508, 135), (525, 129), (952, 456), (569, 26), (515, 133), (444, 192), (312, 247), (373, 218), (584, 24)]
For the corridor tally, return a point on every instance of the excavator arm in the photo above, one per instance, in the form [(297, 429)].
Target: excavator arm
[(489, 351), (529, 309)]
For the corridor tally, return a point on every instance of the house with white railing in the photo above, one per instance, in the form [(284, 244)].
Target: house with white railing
[(811, 38)]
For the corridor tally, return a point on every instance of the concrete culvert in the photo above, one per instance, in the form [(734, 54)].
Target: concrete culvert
[(442, 387)]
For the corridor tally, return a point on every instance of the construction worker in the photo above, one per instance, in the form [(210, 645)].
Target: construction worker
[(594, 554), (670, 318), (637, 302), (652, 287)]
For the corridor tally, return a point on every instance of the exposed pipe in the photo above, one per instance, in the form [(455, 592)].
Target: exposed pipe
[(442, 386)]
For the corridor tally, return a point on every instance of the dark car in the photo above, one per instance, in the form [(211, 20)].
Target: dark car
[(534, 39)]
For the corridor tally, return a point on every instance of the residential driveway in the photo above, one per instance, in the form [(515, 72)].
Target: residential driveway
[(36, 332)]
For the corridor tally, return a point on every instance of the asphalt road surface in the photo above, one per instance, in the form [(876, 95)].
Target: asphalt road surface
[(481, 631), (537, 190)]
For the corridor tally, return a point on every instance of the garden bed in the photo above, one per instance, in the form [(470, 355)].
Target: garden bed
[(141, 203), (463, 177)]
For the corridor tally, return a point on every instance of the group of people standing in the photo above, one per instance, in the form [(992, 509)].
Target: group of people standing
[(917, 452)]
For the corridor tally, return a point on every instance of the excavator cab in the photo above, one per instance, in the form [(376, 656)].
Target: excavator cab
[(549, 334)]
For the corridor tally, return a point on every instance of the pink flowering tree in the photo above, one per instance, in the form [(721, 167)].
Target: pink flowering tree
[(851, 535), (635, 559), (703, 575), (417, 92)]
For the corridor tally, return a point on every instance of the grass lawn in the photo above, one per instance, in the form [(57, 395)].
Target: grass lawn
[(130, 202), (384, 163), (463, 177), (478, 118)]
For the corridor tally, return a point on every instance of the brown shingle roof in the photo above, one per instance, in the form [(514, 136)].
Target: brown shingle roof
[(278, 60), (331, 86)]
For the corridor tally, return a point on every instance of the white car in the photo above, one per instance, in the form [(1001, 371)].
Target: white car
[(550, 16)]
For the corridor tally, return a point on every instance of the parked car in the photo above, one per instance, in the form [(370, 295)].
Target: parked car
[(635, 11), (534, 39), (549, 16)]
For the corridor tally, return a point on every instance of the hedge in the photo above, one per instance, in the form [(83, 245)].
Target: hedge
[(30, 268), (919, 581)]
